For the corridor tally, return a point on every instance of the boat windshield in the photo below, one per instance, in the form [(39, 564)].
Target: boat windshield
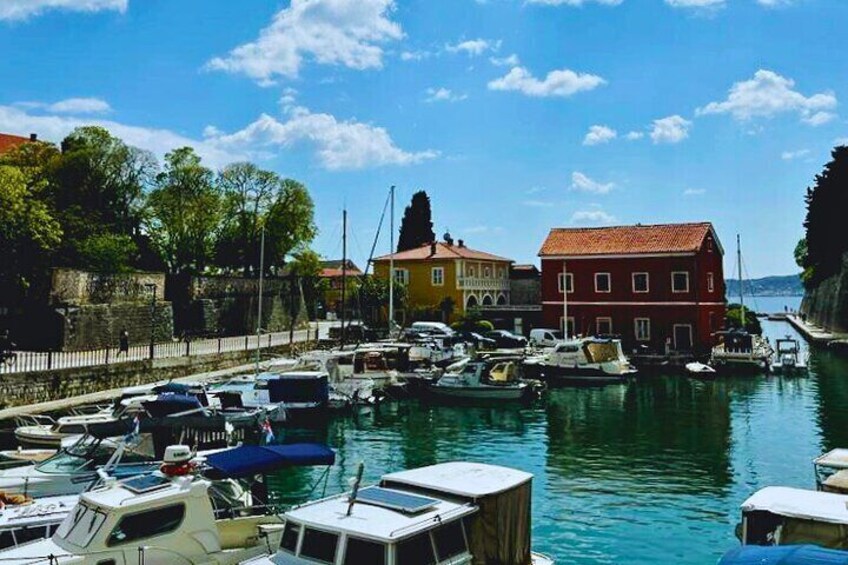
[(81, 525), (73, 457)]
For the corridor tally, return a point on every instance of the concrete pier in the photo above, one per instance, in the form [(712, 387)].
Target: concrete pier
[(813, 333)]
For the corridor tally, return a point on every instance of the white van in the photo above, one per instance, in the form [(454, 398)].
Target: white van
[(541, 337), (437, 328)]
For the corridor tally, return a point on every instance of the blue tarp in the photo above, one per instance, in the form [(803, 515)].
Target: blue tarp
[(171, 403), (250, 460), (784, 555)]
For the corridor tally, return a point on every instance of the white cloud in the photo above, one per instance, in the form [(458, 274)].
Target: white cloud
[(563, 82), (537, 203), (474, 47), (483, 229), (840, 141), (599, 134), (694, 192), (634, 135), (575, 2), (80, 106), (329, 32), (672, 129), (443, 95), (583, 183), (23, 9), (509, 61), (592, 216), (768, 94), (414, 55), (338, 144), (790, 155), (697, 4)]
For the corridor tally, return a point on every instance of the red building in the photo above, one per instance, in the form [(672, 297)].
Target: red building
[(655, 285)]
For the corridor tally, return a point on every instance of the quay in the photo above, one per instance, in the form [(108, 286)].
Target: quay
[(813, 333)]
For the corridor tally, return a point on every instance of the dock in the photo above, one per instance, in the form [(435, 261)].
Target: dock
[(813, 333)]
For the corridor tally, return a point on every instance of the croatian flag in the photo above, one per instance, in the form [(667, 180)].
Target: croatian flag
[(268, 431), (135, 431)]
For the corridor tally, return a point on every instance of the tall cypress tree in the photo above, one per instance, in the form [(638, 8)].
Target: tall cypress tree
[(827, 202), (416, 228)]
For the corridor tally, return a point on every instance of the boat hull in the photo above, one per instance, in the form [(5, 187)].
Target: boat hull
[(479, 392), (554, 375)]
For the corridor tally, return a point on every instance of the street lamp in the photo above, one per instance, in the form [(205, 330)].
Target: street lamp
[(152, 288)]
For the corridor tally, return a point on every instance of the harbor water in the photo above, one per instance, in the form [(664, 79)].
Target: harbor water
[(652, 471)]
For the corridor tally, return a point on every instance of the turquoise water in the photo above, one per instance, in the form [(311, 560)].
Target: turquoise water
[(648, 472)]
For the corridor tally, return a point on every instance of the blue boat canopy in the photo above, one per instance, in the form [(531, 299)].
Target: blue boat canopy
[(784, 555), (250, 460)]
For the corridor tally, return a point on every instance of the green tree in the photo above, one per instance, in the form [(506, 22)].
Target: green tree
[(734, 319), (416, 227), (826, 203), (290, 223), (28, 231), (305, 266), (374, 298), (108, 253), (184, 211)]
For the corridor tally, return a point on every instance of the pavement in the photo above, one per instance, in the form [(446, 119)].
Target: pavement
[(814, 333)]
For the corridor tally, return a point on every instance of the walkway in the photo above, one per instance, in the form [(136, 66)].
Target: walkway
[(814, 333)]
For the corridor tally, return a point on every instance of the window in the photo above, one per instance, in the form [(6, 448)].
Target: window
[(318, 545), (80, 527), (416, 551), (570, 329), (603, 326), (680, 281), (710, 282), (438, 276), (471, 271), (361, 551), (640, 282), (147, 524), (487, 272), (290, 535), (501, 273), (569, 281), (642, 329), (709, 245), (450, 540), (602, 282), (402, 276)]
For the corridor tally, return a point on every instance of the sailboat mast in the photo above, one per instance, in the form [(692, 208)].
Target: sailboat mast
[(391, 259), (739, 265), (564, 300), (344, 270), (261, 280)]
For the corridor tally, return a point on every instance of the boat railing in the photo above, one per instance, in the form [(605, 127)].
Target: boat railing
[(34, 420)]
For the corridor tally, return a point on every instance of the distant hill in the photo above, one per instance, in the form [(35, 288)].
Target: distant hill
[(789, 285)]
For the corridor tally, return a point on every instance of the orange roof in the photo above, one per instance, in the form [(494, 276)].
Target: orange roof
[(9, 142), (330, 273), (443, 251), (627, 240)]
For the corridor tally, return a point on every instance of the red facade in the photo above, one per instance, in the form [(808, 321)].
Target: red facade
[(641, 302)]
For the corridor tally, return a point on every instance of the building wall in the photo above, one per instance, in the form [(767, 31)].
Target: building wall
[(421, 293), (663, 307)]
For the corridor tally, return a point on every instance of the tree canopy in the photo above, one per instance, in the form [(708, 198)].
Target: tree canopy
[(416, 227)]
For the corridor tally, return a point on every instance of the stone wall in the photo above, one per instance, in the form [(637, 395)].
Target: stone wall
[(827, 304), (99, 325), (73, 287), (525, 291), (19, 389)]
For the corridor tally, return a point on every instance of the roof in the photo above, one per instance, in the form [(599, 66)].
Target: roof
[(799, 503), (471, 480), (375, 522), (527, 267), (9, 142), (443, 251), (334, 268), (784, 555), (250, 460), (627, 240)]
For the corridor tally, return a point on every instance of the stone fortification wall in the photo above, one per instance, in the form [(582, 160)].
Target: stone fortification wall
[(73, 287), (827, 304)]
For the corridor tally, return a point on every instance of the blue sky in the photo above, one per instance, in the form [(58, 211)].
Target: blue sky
[(515, 115)]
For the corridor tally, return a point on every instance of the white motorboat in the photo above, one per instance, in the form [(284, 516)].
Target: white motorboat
[(25, 520), (699, 369), (171, 515), (587, 360), (454, 513), (481, 381), (292, 394), (741, 351), (789, 359)]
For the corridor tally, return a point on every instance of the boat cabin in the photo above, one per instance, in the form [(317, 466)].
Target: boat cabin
[(790, 516), (831, 471)]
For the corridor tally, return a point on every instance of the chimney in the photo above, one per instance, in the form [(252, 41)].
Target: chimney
[(432, 248), (461, 243), (33, 137), (448, 239)]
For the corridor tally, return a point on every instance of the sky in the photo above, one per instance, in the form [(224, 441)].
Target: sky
[(515, 116)]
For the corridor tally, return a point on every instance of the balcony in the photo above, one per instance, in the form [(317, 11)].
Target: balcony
[(480, 283)]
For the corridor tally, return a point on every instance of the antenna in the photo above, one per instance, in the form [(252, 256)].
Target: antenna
[(352, 500)]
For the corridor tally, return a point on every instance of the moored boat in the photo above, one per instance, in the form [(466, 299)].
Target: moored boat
[(587, 361), (789, 359), (700, 370), (480, 380)]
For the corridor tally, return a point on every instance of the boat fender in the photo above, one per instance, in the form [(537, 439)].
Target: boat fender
[(177, 469)]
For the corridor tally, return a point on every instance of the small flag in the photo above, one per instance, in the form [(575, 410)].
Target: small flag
[(135, 431), (268, 431)]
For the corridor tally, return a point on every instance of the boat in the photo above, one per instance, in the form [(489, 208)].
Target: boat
[(480, 380), (175, 514), (25, 520), (293, 394), (701, 370), (18, 457), (455, 513), (791, 516), (788, 357), (831, 471), (588, 360), (784, 555)]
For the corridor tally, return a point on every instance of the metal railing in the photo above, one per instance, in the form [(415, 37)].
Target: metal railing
[(30, 361)]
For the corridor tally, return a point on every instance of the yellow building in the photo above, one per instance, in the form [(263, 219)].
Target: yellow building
[(445, 269)]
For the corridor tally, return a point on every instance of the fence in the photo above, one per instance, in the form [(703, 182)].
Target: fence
[(27, 361)]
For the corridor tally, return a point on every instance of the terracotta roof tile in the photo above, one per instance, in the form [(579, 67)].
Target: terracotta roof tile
[(443, 251), (9, 142), (626, 240)]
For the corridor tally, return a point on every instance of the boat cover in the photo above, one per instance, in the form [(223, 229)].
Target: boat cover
[(835, 458), (801, 504), (171, 403), (250, 460), (784, 555)]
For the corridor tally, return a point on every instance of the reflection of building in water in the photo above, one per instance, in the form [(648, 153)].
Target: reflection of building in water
[(830, 371), (673, 432)]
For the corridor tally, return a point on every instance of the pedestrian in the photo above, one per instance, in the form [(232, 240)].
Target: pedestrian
[(123, 343)]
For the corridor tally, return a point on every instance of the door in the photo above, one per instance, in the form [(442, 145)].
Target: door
[(683, 337)]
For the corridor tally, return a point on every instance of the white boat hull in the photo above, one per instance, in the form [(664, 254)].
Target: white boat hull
[(480, 393)]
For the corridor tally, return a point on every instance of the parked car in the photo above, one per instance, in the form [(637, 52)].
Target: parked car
[(480, 342), (541, 337), (433, 328), (507, 339)]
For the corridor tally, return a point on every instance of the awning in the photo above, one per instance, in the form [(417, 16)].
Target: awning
[(249, 460), (784, 555), (799, 503)]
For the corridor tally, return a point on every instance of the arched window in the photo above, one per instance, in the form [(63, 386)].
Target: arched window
[(487, 300), (501, 300), (471, 302)]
